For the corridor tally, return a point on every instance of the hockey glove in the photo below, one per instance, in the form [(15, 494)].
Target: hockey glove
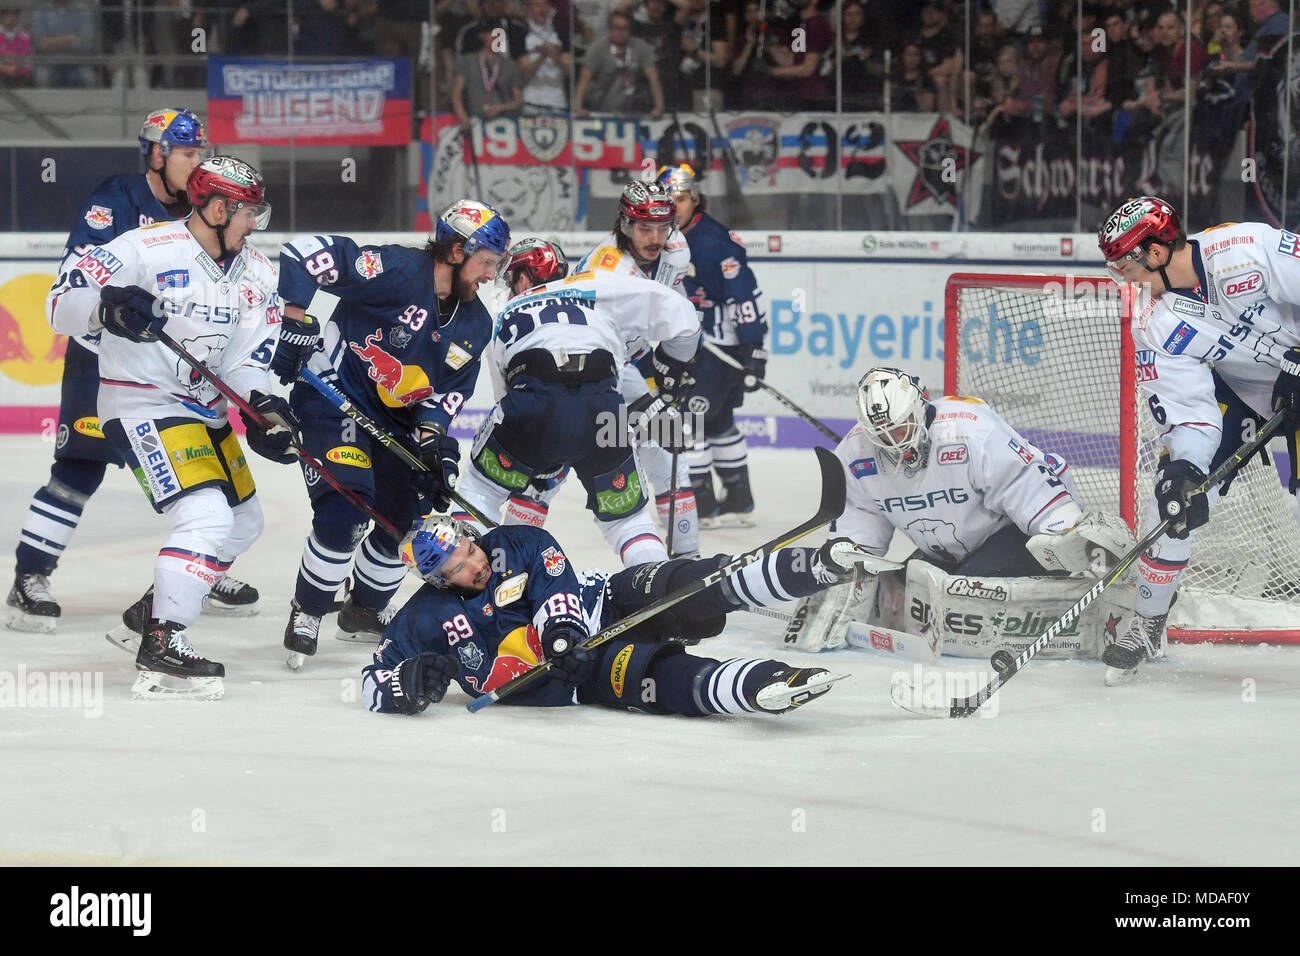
[(674, 376), (298, 339), (1286, 390), (420, 681), (835, 561), (275, 440), (571, 663), (441, 455), (131, 312), (1175, 483), (754, 358)]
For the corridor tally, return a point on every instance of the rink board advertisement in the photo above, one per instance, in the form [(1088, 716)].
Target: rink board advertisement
[(838, 303)]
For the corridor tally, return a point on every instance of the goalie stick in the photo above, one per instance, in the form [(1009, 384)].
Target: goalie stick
[(830, 507), (905, 696), (303, 455), (754, 379), (371, 427)]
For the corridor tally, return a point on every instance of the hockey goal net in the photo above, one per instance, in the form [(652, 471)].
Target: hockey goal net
[(1053, 355)]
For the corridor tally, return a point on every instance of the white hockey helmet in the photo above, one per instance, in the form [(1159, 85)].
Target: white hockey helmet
[(894, 409)]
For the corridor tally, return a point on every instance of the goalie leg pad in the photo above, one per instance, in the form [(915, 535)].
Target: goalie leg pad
[(820, 621)]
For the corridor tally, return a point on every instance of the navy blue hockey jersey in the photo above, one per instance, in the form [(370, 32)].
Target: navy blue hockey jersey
[(118, 204), (495, 635), (385, 347), (722, 285)]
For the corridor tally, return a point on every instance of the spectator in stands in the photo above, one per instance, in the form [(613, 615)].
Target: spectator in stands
[(1122, 61), (66, 31), (1205, 23), (15, 51), (941, 54), (862, 63), (1171, 37), (332, 28), (1272, 25), (397, 27), (653, 21), (1038, 75), (1093, 104), (976, 82), (1222, 95), (487, 83), (471, 38), (1006, 118), (749, 62), (801, 70), (618, 75), (259, 27), (704, 53), (911, 87), (545, 67), (1018, 16)]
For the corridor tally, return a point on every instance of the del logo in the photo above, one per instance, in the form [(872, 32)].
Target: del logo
[(1289, 244), (1180, 337), (88, 426), (369, 264), (347, 455), (99, 265), (508, 592), (951, 454), (1146, 365), (863, 467), (881, 641), (251, 295), (619, 482), (1025, 454), (99, 217), (1248, 283), (554, 562), (618, 671), (175, 279)]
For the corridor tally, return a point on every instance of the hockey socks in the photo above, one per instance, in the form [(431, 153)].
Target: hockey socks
[(54, 514), (700, 686), (376, 574)]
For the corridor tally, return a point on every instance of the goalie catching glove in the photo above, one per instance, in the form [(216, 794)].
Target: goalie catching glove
[(1093, 545), (276, 438), (1176, 482), (420, 681)]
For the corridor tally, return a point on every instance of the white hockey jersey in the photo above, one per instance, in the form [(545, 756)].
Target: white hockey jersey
[(670, 270), (229, 320), (596, 310), (1246, 315), (980, 476)]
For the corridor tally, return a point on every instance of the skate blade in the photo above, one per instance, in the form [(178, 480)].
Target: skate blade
[(230, 610), (123, 638), (295, 661), (155, 685), (1116, 676), (358, 637), (733, 520), (783, 697), (18, 620)]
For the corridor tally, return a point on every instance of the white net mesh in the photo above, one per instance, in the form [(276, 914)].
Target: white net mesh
[(1046, 353)]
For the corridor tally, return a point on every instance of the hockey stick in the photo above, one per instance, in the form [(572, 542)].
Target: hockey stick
[(235, 399), (751, 379), (672, 499), (737, 206), (371, 427), (905, 696), (830, 507)]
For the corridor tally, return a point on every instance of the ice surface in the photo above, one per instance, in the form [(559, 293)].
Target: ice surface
[(1176, 769)]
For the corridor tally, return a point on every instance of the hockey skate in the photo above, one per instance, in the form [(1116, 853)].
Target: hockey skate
[(300, 636), (735, 510), (170, 668), (31, 606), (362, 625), (1139, 643), (134, 621), (232, 597), (792, 687)]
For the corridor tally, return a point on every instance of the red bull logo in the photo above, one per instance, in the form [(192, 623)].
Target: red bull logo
[(520, 651), (553, 561), (369, 264), (384, 369), (474, 214), (30, 352), (99, 217)]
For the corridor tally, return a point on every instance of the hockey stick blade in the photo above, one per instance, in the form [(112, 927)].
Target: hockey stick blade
[(830, 508), (779, 396), (904, 695)]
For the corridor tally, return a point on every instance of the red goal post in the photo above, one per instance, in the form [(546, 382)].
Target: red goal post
[(1054, 356)]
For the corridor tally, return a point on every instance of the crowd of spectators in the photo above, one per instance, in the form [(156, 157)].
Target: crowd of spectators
[(1033, 66)]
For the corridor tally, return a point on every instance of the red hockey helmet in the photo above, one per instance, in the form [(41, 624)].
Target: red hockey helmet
[(646, 202), (538, 259), (1135, 223), (233, 179)]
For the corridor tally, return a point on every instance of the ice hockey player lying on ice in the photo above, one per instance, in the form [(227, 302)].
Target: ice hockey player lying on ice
[(996, 525), (494, 606)]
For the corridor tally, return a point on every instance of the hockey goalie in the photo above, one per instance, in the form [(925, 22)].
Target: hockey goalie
[(1002, 546)]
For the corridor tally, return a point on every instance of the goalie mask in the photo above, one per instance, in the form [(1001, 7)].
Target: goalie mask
[(429, 547), (895, 413)]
